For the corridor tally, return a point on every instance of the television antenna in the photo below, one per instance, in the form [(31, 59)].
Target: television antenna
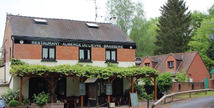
[(95, 3)]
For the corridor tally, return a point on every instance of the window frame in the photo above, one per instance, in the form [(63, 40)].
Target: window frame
[(84, 54), (147, 64), (170, 64), (111, 61), (49, 53)]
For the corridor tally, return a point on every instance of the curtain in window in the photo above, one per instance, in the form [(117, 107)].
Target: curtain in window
[(113, 55), (45, 53), (81, 54), (51, 53), (88, 55), (107, 55)]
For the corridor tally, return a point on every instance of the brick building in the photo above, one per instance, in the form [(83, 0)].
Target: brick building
[(53, 42), (190, 62)]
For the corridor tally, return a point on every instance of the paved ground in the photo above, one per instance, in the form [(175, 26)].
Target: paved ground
[(204, 102)]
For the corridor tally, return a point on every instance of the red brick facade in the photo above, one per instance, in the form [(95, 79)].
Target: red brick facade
[(7, 42), (67, 53), (185, 86), (147, 60), (198, 70), (98, 54), (29, 51), (126, 55)]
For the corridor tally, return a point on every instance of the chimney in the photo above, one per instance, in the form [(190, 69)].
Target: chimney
[(113, 20)]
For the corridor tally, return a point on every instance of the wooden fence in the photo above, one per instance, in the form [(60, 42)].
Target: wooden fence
[(178, 93)]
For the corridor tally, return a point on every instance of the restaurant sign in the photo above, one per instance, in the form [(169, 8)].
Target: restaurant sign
[(75, 44)]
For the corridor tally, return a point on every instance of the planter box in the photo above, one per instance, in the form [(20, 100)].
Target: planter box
[(48, 105)]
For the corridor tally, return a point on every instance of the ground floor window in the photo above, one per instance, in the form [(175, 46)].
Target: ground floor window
[(38, 85)]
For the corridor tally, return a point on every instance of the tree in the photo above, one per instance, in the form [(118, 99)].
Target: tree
[(211, 11), (164, 81), (196, 19), (123, 10), (144, 34), (210, 50), (201, 41), (174, 30)]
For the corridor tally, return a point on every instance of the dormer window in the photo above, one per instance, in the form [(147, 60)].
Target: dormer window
[(147, 64), (40, 21), (170, 64), (92, 25)]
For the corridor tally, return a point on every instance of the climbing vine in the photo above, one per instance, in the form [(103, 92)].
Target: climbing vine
[(79, 70)]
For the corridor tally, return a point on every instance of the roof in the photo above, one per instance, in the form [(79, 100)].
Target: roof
[(185, 58), (65, 29)]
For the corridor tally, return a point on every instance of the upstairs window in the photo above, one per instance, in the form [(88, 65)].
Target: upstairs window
[(111, 55), (147, 64), (84, 54), (48, 53), (170, 64)]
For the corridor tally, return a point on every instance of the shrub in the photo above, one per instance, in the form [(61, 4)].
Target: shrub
[(41, 98), (11, 95), (13, 103), (164, 81), (181, 77), (142, 95), (26, 101)]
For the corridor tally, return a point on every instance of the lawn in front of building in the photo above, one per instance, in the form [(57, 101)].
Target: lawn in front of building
[(195, 95)]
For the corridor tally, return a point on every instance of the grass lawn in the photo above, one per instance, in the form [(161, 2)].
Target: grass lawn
[(195, 95)]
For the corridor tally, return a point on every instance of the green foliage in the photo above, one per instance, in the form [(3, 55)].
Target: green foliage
[(174, 30), (181, 76), (13, 103), (123, 10), (201, 41), (211, 11), (146, 81), (210, 50), (142, 95), (26, 101), (144, 34), (82, 71), (17, 62), (164, 81), (11, 95), (41, 98), (196, 20)]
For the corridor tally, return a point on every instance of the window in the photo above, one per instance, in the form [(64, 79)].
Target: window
[(48, 53), (111, 55), (85, 54), (170, 64), (147, 64)]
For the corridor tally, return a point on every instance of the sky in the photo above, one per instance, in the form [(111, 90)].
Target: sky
[(80, 9)]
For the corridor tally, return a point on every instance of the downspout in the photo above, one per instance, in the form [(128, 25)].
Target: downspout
[(12, 38)]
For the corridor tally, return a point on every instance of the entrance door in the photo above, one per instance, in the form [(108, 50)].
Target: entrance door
[(92, 95)]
